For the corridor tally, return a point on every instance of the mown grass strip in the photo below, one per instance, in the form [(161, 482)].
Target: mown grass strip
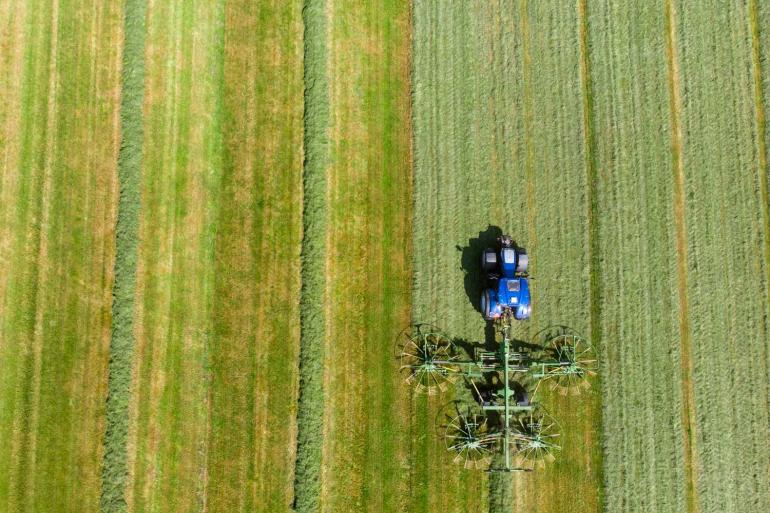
[(57, 209), (639, 364), (115, 465), (724, 217), (255, 339), (458, 140), (368, 253), (307, 482), (180, 188)]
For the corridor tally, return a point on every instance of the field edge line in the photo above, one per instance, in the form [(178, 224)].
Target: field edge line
[(310, 403), (114, 472), (689, 421)]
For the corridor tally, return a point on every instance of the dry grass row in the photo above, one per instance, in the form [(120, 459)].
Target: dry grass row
[(367, 283), (310, 407)]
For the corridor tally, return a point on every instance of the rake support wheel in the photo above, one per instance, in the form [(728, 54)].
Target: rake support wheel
[(574, 364), (534, 439), (470, 440), (426, 359)]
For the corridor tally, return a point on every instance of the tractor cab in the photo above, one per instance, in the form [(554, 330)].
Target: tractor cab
[(507, 288)]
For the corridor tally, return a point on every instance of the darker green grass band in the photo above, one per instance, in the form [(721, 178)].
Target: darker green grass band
[(307, 481), (115, 466)]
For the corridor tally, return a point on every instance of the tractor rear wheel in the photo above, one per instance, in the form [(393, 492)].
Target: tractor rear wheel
[(488, 261)]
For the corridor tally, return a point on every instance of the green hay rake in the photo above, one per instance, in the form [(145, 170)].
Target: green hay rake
[(505, 420)]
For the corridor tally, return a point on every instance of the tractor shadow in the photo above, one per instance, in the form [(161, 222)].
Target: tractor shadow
[(470, 262)]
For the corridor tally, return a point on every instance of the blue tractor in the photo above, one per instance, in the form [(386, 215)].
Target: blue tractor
[(505, 268)]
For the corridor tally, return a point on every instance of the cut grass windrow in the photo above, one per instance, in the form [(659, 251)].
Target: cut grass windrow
[(114, 467), (307, 483), (58, 148)]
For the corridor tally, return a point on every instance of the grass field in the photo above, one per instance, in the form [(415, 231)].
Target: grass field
[(499, 146), (608, 126), (217, 217), (59, 69)]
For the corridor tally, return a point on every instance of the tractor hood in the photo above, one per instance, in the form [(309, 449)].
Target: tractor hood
[(514, 293), (510, 293)]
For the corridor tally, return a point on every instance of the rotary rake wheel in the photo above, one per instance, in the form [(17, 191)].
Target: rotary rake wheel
[(574, 364), (470, 439), (426, 357), (533, 439)]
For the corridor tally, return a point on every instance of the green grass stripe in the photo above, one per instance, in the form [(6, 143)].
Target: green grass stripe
[(640, 367), (725, 231), (181, 171), (115, 467), (366, 422), (307, 484)]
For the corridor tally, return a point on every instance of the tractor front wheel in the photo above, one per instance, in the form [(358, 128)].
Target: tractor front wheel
[(486, 305)]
